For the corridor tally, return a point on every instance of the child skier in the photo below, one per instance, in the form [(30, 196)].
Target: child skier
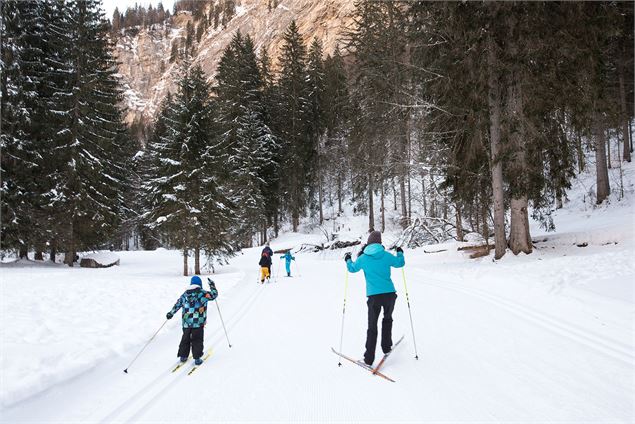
[(376, 263), (268, 251), (288, 258), (194, 315), (265, 266)]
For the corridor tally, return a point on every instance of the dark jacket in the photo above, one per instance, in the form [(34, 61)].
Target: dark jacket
[(265, 260)]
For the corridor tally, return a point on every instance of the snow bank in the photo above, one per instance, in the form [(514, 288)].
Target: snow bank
[(58, 322), (100, 260)]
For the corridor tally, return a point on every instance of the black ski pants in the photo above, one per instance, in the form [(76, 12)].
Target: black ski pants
[(192, 337), (375, 304)]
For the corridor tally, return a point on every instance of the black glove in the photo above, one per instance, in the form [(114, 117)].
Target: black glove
[(347, 257), (169, 315), (212, 286), (399, 249)]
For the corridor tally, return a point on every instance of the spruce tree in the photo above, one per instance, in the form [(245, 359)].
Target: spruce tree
[(296, 143)]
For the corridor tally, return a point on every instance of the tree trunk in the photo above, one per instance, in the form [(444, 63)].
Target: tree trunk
[(459, 224), (275, 223), (319, 176), (580, 153), (185, 262), (602, 175), (484, 213), (519, 238), (197, 260), (53, 252), (23, 252), (608, 148), (408, 170), (630, 135), (339, 194), (495, 146), (383, 213), (371, 207), (626, 155), (394, 193), (295, 220), (423, 194), (404, 205), (38, 255)]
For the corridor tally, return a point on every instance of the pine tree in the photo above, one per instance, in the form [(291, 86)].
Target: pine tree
[(185, 196), (88, 174), (337, 121), (297, 145), (24, 132), (250, 144), (316, 117)]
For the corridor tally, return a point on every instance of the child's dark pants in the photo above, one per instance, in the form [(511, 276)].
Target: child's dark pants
[(375, 303), (191, 337)]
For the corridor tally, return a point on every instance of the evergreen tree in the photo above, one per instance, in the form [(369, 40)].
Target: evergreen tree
[(316, 118), (297, 145), (185, 196), (88, 174), (24, 133), (249, 142)]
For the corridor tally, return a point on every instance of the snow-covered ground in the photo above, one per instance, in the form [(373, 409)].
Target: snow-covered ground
[(546, 337)]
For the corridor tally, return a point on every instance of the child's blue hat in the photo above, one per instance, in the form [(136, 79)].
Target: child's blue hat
[(196, 280)]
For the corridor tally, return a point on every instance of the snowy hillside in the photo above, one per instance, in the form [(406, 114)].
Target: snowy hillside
[(546, 337)]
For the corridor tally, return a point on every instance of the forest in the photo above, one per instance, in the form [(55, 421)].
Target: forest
[(472, 116)]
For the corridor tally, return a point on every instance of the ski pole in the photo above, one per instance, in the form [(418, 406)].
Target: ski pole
[(151, 338), (212, 286), (298, 268), (339, 364), (223, 322), (277, 272), (403, 273)]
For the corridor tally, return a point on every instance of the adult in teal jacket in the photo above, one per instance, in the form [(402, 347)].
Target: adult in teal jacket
[(376, 264), (288, 258)]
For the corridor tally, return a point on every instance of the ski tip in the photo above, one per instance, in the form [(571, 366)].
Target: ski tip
[(126, 370)]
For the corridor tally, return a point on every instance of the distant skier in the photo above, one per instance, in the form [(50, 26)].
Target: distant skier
[(265, 267), (376, 263), (269, 253), (288, 258), (194, 315)]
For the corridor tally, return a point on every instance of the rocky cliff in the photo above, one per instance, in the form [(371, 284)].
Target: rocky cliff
[(144, 55)]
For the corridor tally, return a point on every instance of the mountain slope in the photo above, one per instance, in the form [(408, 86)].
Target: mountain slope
[(148, 75)]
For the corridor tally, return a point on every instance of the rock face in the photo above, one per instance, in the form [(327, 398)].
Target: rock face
[(147, 74)]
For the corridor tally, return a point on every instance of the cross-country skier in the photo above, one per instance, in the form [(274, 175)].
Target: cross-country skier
[(265, 267), (194, 315), (288, 258), (269, 252), (375, 261)]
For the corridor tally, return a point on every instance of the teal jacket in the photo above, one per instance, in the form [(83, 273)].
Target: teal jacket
[(376, 263)]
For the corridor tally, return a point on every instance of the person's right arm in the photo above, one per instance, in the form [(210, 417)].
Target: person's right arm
[(175, 308), (354, 266)]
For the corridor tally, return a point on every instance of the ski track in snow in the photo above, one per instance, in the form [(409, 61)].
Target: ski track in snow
[(613, 348), (483, 357)]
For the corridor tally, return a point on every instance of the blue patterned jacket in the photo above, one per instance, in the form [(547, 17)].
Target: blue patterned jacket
[(194, 304)]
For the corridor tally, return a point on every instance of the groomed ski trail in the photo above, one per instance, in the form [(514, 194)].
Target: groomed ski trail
[(483, 357)]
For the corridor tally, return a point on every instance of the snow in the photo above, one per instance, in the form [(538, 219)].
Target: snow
[(546, 337), (103, 258)]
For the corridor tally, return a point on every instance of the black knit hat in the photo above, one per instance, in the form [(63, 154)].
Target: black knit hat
[(374, 237)]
